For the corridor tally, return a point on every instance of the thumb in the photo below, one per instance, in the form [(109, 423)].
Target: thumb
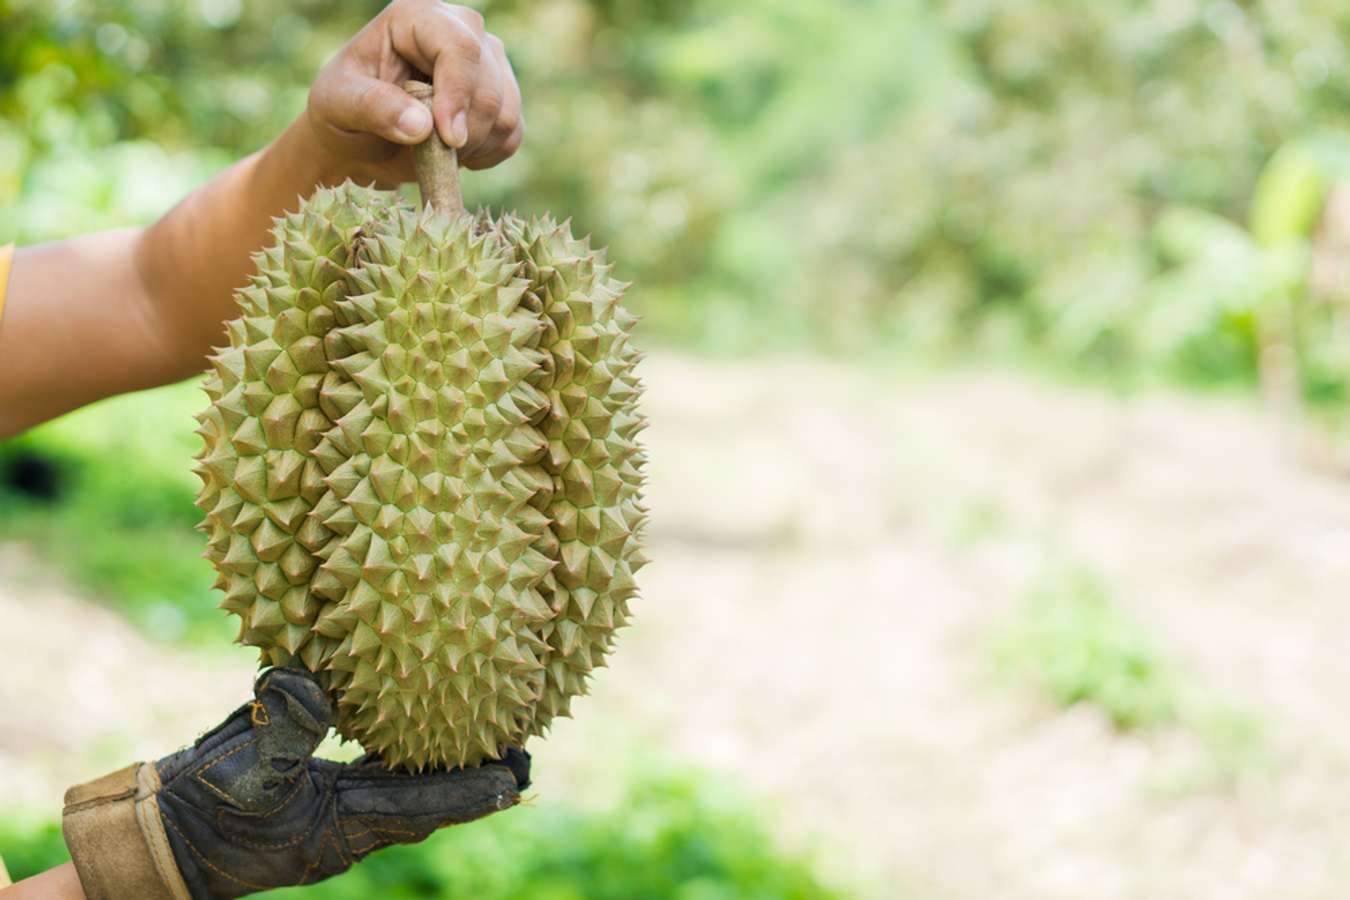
[(251, 761), (290, 715), (353, 101)]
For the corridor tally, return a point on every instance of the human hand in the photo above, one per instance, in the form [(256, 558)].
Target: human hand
[(361, 115), (247, 808)]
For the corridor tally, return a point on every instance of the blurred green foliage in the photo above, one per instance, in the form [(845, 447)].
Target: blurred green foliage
[(857, 176), (31, 847), (1073, 642), (107, 494), (673, 837), (1080, 648)]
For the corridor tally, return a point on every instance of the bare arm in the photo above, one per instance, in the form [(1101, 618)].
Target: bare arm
[(122, 310), (60, 883)]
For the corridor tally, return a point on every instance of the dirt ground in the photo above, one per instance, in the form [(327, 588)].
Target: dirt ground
[(833, 550)]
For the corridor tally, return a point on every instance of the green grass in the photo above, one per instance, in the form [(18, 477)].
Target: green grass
[(121, 518), (680, 836), (1077, 646), (31, 847), (974, 520), (1072, 642)]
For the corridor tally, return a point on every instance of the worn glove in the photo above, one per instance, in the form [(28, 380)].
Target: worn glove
[(247, 808)]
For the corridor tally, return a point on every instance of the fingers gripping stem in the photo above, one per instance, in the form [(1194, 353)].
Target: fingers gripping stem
[(437, 164)]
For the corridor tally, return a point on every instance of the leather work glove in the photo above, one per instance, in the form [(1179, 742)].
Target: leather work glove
[(247, 807)]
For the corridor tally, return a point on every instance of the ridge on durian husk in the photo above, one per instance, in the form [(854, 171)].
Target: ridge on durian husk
[(421, 473)]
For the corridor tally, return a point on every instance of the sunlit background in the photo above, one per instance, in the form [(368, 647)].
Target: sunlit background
[(998, 371)]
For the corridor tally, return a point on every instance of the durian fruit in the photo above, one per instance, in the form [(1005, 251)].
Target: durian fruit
[(421, 469)]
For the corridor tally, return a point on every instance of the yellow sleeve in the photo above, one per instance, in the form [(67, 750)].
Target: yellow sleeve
[(6, 254)]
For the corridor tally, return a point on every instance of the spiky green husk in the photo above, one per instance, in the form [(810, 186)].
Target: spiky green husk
[(421, 472), (593, 455)]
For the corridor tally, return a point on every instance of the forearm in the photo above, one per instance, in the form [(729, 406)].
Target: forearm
[(123, 310), (194, 258), (60, 883), (118, 311)]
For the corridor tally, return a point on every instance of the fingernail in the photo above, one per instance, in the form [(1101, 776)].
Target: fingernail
[(459, 129), (414, 121)]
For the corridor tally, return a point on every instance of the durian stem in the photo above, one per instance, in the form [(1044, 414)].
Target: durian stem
[(436, 162)]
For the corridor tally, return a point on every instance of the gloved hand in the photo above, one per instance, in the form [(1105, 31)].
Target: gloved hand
[(247, 807)]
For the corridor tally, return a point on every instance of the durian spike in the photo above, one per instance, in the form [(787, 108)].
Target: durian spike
[(436, 162)]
